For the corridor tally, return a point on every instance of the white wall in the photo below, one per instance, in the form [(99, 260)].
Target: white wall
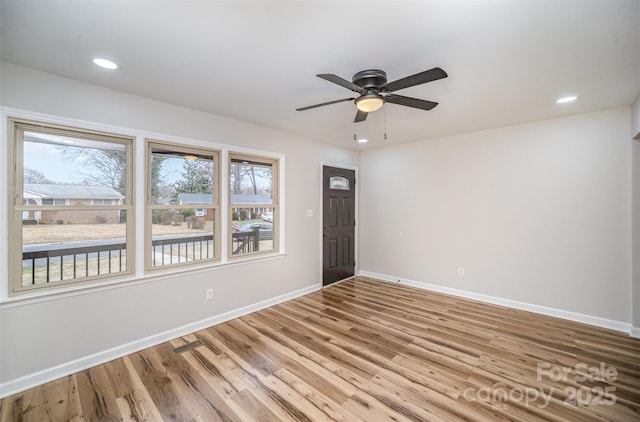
[(635, 119), (636, 237), (38, 336), (537, 213), (635, 131)]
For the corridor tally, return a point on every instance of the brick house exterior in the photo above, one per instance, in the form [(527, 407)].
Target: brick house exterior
[(61, 195), (198, 199), (204, 199)]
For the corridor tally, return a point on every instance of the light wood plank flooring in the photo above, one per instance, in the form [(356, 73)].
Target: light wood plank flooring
[(361, 350)]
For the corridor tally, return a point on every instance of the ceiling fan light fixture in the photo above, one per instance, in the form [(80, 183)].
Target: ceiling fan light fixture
[(369, 102)]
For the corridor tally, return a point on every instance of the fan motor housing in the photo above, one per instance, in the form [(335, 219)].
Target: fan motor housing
[(372, 78)]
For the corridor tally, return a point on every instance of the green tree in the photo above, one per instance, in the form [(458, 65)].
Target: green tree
[(197, 177), (156, 171)]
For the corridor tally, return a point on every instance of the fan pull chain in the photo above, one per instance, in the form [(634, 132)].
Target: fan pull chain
[(385, 123)]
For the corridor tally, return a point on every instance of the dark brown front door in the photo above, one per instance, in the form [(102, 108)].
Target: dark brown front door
[(338, 224)]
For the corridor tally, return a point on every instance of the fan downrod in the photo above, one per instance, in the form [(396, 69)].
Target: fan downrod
[(372, 78)]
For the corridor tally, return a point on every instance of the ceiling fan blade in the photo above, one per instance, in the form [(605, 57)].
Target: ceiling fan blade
[(361, 116), (324, 104), (417, 79), (409, 102), (341, 81)]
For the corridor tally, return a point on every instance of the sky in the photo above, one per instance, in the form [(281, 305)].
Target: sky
[(61, 163), (52, 162), (59, 159)]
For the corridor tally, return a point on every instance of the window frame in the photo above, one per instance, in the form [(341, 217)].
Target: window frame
[(274, 206), (134, 205), (53, 201), (102, 201), (16, 129), (149, 207)]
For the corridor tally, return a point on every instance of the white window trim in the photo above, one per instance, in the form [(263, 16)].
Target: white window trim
[(139, 188)]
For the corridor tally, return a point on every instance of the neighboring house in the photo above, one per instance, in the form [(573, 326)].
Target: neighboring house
[(52, 194), (207, 198), (245, 199)]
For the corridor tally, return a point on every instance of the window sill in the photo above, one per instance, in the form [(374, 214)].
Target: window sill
[(92, 287)]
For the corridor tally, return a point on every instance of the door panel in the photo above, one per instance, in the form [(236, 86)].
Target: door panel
[(346, 251), (338, 224), (333, 212), (346, 210), (333, 253)]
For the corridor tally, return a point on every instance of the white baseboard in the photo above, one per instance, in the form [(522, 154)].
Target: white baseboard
[(17, 385), (538, 309), (634, 332)]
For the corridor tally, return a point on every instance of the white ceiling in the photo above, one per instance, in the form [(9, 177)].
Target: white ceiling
[(256, 61)]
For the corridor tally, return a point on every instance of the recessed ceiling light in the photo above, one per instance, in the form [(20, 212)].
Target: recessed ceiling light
[(363, 141), (567, 99), (104, 63)]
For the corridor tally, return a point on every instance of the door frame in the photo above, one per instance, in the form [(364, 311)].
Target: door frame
[(356, 211)]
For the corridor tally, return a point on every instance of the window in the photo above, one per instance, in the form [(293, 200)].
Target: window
[(72, 217), (339, 183), (53, 201), (182, 205), (253, 204), (59, 234)]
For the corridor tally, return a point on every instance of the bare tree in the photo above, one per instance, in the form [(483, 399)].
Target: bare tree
[(34, 176), (236, 175), (265, 175), (251, 172), (240, 172), (108, 168)]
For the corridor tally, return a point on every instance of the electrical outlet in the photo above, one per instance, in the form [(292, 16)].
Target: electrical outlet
[(461, 272), (209, 294)]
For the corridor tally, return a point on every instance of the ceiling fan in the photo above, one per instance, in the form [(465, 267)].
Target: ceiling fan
[(375, 91)]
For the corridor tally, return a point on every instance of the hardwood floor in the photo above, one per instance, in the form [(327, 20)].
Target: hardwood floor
[(361, 350)]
